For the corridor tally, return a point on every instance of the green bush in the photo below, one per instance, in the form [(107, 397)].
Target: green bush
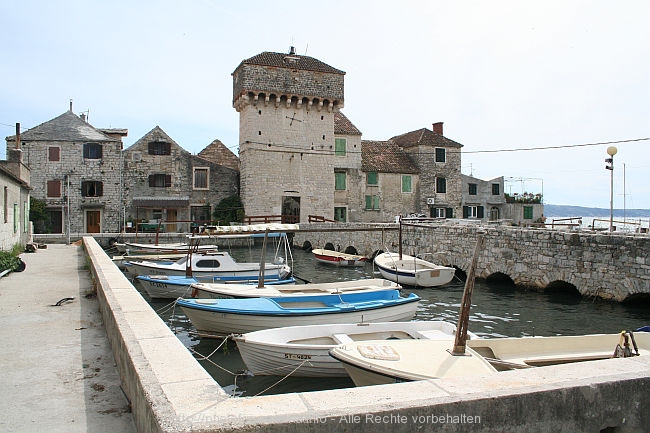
[(8, 260)]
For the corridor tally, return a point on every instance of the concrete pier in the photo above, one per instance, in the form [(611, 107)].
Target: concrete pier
[(58, 371), (170, 392)]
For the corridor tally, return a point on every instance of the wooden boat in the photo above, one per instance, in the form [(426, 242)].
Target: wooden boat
[(304, 350), (338, 258), (227, 316), (132, 248), (168, 258), (177, 286), (412, 271), (208, 264), (221, 290), (380, 362)]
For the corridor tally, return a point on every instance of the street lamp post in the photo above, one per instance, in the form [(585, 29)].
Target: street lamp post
[(611, 151)]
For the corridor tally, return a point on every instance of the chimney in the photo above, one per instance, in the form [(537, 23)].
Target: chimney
[(17, 135), (292, 51), (437, 128)]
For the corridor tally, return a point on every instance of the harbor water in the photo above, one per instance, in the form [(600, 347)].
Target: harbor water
[(497, 311)]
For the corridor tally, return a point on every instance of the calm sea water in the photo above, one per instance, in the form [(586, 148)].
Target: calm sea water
[(497, 311)]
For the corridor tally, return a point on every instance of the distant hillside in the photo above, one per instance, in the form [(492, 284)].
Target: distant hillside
[(555, 210)]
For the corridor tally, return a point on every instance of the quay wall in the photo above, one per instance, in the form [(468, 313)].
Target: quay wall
[(612, 266), (170, 392)]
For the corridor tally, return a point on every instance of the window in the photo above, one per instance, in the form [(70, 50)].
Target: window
[(208, 263), (16, 220), (339, 180), (441, 185), (54, 153), (92, 151), (528, 212), (406, 184), (472, 189), (6, 204), (54, 188), (201, 178), (340, 214), (339, 146), (25, 216), (438, 212), (441, 154), (92, 188), (372, 178), (160, 180), (160, 148), (473, 212), (496, 189), (372, 202)]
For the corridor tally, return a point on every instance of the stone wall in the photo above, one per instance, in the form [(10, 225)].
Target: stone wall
[(610, 266)]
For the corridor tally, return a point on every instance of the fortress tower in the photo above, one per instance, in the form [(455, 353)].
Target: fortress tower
[(286, 105)]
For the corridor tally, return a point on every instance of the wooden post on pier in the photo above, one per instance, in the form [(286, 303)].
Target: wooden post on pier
[(466, 304)]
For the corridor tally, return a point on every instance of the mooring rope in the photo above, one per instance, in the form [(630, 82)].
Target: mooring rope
[(281, 380)]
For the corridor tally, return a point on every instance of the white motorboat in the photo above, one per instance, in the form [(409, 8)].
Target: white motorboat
[(304, 350), (215, 317), (211, 263), (413, 271), (222, 290)]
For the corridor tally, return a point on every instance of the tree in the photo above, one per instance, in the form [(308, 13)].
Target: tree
[(229, 210), (38, 216)]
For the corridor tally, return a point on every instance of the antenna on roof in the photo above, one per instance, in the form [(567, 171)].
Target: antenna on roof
[(306, 49)]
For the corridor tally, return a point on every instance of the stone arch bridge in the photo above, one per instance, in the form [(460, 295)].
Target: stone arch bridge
[(612, 266)]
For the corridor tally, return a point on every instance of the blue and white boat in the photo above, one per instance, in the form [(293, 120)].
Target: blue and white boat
[(213, 317), (178, 286)]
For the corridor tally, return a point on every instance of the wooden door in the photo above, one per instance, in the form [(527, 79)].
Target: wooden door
[(171, 218), (93, 218)]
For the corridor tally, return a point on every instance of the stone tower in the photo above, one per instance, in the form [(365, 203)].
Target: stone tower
[(286, 105)]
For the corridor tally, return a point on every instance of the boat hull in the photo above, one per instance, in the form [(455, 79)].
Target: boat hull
[(412, 271), (239, 316), (338, 259), (303, 351), (173, 287), (225, 291)]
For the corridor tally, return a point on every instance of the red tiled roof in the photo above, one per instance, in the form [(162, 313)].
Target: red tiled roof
[(424, 137), (385, 157), (343, 126)]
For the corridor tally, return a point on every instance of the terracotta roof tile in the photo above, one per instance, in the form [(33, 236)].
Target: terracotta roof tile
[(343, 126), (385, 157), (424, 137)]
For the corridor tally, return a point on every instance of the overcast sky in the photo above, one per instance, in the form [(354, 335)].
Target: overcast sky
[(501, 75)]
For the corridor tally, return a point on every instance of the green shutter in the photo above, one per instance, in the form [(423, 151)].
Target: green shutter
[(406, 183), (368, 202), (371, 178), (339, 146), (339, 181), (479, 212), (449, 212), (528, 212)]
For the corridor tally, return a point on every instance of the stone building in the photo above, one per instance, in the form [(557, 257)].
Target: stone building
[(164, 183), (287, 145), (300, 156), (14, 214), (75, 169), (483, 199)]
